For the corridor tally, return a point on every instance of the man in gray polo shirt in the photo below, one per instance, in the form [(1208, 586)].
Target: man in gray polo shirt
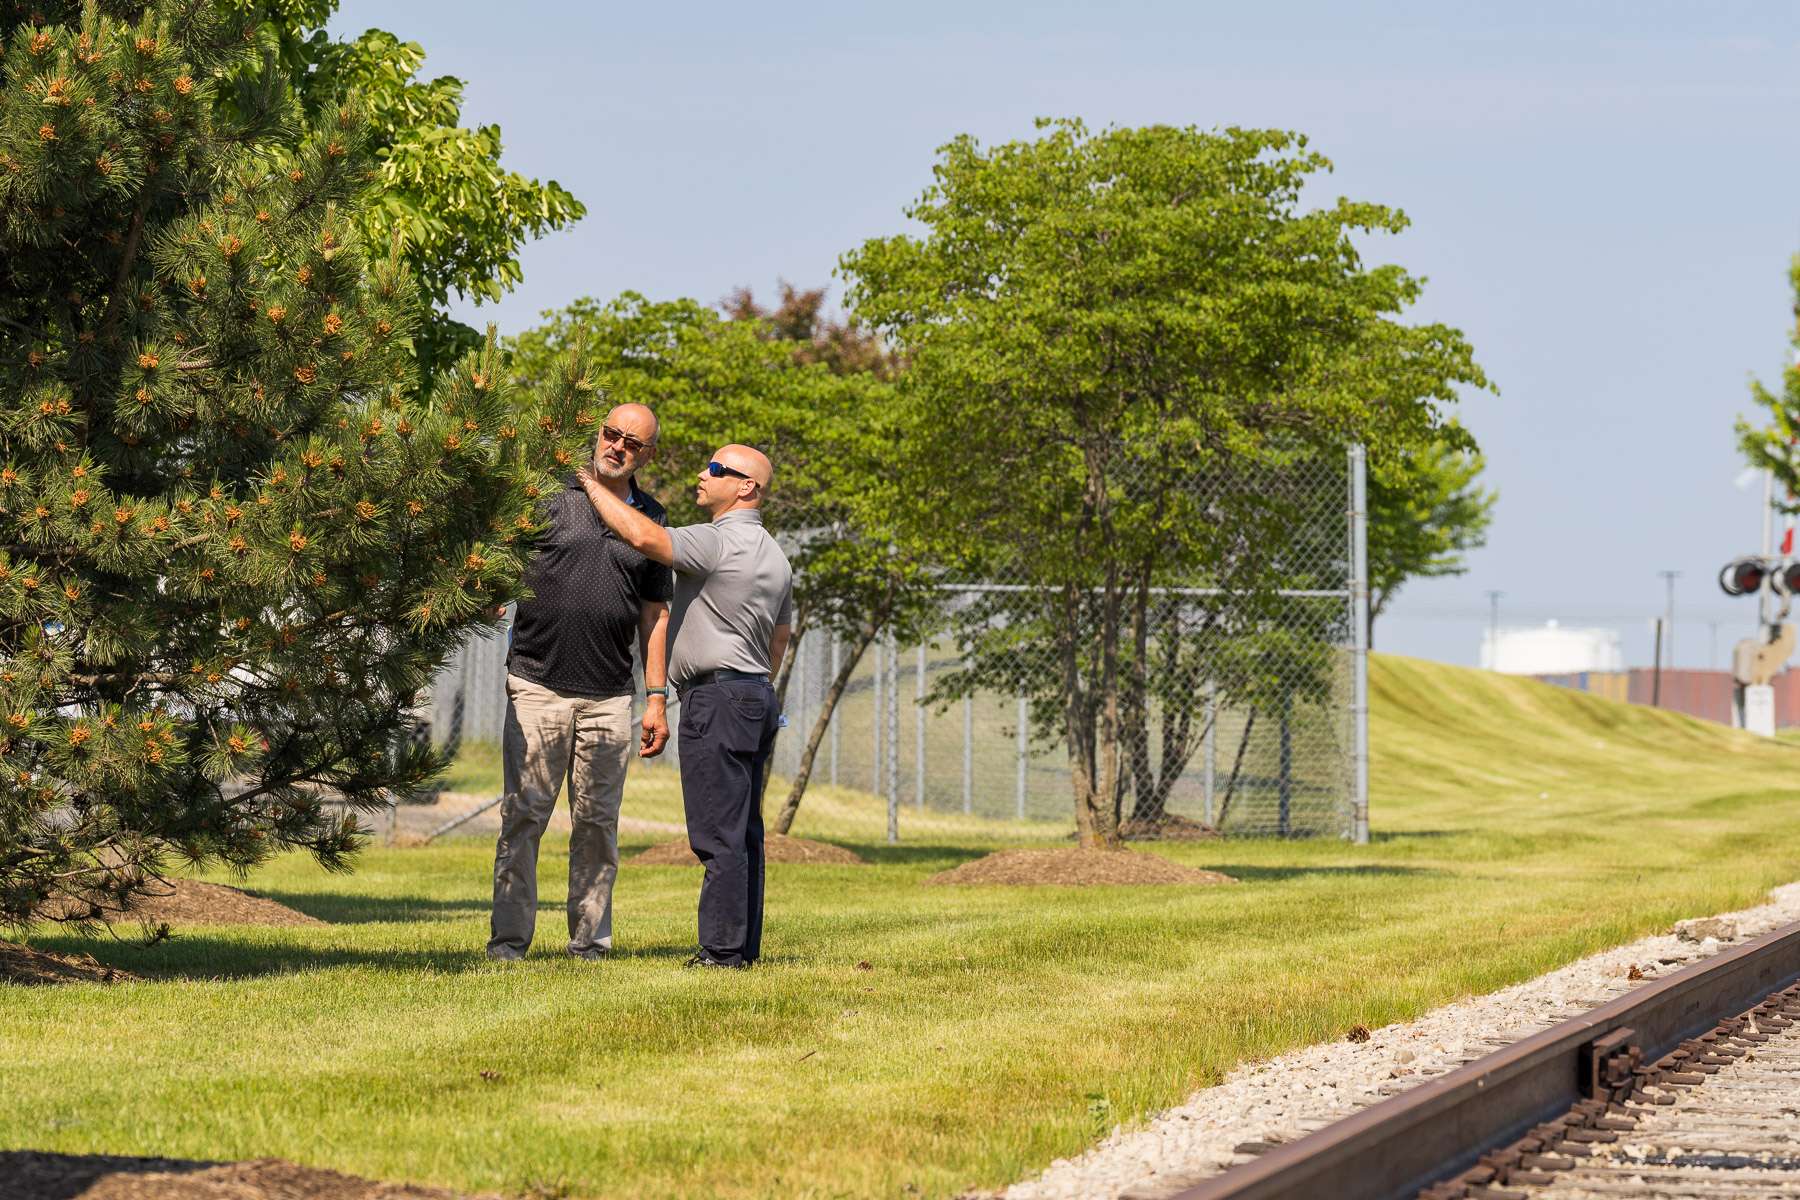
[(728, 629)]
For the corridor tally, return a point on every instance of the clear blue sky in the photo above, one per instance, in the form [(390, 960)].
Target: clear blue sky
[(1604, 196)]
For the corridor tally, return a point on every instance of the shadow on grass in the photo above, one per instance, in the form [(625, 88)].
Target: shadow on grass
[(35, 1175), (1381, 837), (350, 908), (1248, 874), (882, 854), (202, 956)]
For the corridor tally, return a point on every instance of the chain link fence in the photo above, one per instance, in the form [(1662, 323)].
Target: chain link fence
[(1251, 712)]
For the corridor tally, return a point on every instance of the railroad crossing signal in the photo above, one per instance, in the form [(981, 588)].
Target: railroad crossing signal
[(1749, 574)]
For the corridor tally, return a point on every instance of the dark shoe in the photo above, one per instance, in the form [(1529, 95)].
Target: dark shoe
[(701, 959)]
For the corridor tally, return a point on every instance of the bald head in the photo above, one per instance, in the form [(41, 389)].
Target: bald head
[(637, 420), (750, 461), (742, 483)]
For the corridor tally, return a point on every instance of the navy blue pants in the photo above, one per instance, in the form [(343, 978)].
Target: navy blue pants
[(727, 730)]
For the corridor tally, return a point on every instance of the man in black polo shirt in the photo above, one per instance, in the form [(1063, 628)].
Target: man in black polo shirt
[(568, 693)]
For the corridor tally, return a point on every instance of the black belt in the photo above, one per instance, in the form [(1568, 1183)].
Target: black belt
[(724, 675)]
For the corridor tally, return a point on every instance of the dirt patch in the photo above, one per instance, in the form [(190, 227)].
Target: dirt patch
[(196, 903), (1167, 828), (22, 964), (1076, 868), (29, 1175), (778, 848)]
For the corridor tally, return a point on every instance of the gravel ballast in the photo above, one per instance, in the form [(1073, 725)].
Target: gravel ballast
[(1283, 1098)]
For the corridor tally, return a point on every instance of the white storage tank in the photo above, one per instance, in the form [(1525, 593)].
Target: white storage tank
[(1551, 649)]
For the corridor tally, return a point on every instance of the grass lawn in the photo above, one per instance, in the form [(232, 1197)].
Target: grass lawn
[(1518, 827)]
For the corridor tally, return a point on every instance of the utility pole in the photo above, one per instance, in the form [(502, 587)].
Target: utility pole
[(1763, 597), (1494, 629), (1669, 577)]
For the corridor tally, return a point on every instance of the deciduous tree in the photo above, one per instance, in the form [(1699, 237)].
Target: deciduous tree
[(462, 216), (1099, 326)]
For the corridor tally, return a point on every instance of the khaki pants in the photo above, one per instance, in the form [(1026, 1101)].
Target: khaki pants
[(551, 737)]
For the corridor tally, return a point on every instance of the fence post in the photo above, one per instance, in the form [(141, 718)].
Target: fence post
[(1024, 743), (1209, 753), (875, 714), (893, 738), (1359, 659), (968, 779), (1284, 772), (837, 664), (919, 728)]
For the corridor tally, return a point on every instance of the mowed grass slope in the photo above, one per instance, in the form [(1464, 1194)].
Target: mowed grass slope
[(1518, 826)]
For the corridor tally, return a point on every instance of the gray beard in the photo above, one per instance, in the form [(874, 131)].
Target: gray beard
[(605, 472)]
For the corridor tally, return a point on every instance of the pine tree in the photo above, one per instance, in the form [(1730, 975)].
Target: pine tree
[(234, 541)]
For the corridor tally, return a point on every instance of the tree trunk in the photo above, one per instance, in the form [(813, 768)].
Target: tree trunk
[(1108, 784), (1236, 766), (1078, 726), (865, 636), (1379, 601), (782, 676), (1178, 733), (1135, 733)]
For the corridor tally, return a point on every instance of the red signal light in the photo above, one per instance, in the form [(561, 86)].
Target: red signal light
[(1742, 576)]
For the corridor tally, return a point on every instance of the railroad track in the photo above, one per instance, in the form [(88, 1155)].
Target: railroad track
[(1687, 1087)]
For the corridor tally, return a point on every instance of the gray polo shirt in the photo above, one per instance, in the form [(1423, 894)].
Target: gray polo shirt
[(733, 585)]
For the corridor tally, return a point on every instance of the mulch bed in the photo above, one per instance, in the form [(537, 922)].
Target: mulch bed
[(1170, 827), (190, 902), (30, 1175), (22, 964), (1075, 868), (196, 903), (777, 848)]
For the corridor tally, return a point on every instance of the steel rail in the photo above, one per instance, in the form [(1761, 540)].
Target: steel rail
[(1400, 1146)]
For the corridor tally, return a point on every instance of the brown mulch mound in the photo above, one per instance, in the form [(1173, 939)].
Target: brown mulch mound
[(196, 903), (1075, 868), (777, 848), (1170, 827), (31, 1175), (22, 964)]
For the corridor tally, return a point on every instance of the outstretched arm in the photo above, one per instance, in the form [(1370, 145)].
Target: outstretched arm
[(640, 532)]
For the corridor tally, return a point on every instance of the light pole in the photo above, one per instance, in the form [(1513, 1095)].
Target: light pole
[(1494, 629), (1669, 577)]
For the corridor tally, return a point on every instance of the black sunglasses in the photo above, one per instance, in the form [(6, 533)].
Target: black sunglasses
[(716, 469), (631, 444)]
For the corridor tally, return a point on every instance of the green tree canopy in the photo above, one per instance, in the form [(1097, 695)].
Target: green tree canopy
[(1107, 337), (234, 541), (462, 218)]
